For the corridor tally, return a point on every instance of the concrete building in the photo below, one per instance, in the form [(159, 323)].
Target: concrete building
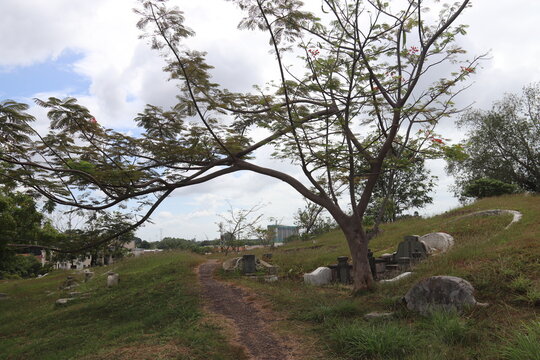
[(282, 232)]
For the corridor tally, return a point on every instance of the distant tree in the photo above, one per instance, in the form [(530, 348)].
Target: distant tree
[(502, 143), (311, 220), (21, 223), (369, 67), (399, 189), (485, 187), (236, 224)]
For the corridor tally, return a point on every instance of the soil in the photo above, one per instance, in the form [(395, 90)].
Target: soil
[(245, 317)]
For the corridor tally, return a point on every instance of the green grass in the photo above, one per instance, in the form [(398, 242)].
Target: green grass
[(525, 344), (385, 341), (502, 264), (154, 313)]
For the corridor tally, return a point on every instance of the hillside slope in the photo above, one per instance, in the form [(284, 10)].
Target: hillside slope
[(154, 313), (502, 265)]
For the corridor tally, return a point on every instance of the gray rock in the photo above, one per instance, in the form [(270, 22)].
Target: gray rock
[(440, 293), (318, 277), (438, 242), (378, 315), (271, 278)]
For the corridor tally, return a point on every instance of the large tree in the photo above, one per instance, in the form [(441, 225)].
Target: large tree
[(370, 67), (502, 143)]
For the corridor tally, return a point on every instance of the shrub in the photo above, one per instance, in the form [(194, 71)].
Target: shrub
[(381, 341), (487, 187)]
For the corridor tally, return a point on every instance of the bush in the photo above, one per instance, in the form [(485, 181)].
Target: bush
[(383, 341), (487, 187)]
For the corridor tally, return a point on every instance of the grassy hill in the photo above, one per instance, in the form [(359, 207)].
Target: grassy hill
[(502, 265), (155, 312)]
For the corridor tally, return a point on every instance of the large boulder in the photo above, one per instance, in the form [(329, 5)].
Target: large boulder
[(440, 293), (438, 242), (319, 276)]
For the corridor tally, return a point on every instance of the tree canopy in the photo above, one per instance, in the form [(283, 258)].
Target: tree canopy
[(377, 78), (502, 143)]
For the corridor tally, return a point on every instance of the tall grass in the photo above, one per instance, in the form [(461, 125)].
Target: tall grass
[(359, 340), (525, 345)]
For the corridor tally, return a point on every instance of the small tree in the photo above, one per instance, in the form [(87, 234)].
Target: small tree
[(236, 224), (311, 222), (366, 80), (502, 143)]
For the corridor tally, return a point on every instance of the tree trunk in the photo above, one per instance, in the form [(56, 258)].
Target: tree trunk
[(358, 245)]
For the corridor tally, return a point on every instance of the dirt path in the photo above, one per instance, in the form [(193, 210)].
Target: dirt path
[(234, 303)]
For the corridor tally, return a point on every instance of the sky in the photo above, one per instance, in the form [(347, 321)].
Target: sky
[(90, 50)]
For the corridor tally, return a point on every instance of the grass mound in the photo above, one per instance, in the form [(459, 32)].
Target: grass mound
[(502, 265)]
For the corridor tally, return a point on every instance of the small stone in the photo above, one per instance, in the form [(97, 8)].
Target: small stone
[(397, 278), (318, 277), (378, 315), (64, 301), (75, 293), (271, 278)]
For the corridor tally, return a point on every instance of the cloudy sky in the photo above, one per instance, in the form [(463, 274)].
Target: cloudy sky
[(90, 50)]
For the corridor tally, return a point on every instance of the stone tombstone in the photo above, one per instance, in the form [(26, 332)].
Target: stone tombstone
[(404, 263), (112, 279), (437, 293), (438, 242), (411, 248), (319, 276), (343, 270), (372, 265), (249, 265), (69, 283), (88, 275)]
